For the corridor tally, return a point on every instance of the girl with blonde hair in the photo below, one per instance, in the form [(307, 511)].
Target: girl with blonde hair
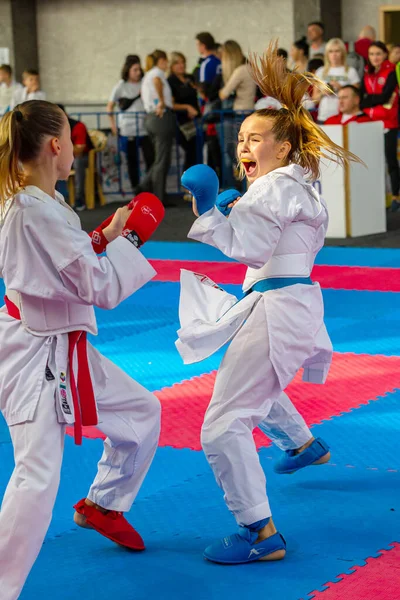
[(185, 103), (335, 73), (277, 228), (53, 278)]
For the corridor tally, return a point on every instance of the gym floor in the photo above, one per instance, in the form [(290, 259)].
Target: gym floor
[(341, 521)]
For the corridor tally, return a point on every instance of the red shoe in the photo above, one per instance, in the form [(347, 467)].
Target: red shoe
[(112, 525)]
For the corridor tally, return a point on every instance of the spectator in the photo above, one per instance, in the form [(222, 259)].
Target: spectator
[(8, 86), (160, 123), (185, 103), (209, 82), (380, 97), (394, 54), (314, 64), (82, 144), (130, 121), (283, 53), (366, 37), (30, 91), (236, 77), (299, 55), (238, 93), (211, 64), (335, 73), (349, 107), (315, 33)]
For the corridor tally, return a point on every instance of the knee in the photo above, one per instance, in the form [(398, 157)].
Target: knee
[(214, 435)]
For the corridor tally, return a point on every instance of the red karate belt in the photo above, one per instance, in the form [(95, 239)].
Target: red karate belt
[(81, 388)]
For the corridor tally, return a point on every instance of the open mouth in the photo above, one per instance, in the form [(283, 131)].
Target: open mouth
[(250, 166)]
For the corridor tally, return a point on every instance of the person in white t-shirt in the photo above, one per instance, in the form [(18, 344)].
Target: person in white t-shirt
[(7, 88), (335, 73), (129, 121), (31, 91), (160, 122)]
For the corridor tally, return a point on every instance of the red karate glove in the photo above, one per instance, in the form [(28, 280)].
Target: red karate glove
[(147, 213)]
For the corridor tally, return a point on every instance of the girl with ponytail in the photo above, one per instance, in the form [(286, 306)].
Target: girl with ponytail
[(50, 375), (277, 228)]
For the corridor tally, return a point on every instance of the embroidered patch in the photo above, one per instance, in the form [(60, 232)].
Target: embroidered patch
[(63, 393), (207, 281), (96, 238), (49, 374), (65, 407)]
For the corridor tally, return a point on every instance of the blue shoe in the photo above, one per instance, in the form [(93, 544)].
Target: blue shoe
[(290, 462), (241, 548)]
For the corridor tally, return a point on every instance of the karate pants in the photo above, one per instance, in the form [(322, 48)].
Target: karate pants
[(128, 414), (247, 394)]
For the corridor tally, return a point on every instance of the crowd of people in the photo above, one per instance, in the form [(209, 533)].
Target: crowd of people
[(150, 108)]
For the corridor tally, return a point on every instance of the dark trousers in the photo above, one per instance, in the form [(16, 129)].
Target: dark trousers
[(214, 156), (133, 156), (80, 165), (162, 131), (391, 160), (190, 149)]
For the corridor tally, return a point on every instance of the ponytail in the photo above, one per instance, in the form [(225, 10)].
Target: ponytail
[(22, 132), (309, 144), (10, 168)]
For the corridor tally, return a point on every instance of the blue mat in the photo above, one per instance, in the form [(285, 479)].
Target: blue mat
[(332, 519)]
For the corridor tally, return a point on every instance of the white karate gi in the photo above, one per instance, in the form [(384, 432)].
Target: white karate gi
[(53, 275), (276, 229)]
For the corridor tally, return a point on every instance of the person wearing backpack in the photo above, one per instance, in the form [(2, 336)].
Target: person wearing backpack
[(130, 120)]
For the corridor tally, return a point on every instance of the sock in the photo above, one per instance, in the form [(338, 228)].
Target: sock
[(258, 525)]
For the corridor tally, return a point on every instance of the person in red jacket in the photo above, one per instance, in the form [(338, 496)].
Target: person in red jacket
[(349, 107), (365, 39), (380, 98)]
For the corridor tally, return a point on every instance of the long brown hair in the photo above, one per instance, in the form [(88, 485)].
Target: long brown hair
[(131, 59), (232, 57), (293, 122), (22, 131)]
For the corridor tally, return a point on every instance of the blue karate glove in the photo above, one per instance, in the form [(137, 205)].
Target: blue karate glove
[(226, 198), (202, 182)]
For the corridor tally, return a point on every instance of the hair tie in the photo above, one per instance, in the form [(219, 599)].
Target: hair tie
[(18, 115)]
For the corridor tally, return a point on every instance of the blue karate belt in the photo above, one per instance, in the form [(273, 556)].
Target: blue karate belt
[(275, 283)]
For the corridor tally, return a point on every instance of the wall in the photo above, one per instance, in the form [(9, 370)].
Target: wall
[(358, 13), (82, 43), (6, 28)]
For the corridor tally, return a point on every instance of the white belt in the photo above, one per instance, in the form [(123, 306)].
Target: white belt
[(284, 265)]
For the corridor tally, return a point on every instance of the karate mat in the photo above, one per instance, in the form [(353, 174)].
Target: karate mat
[(341, 521)]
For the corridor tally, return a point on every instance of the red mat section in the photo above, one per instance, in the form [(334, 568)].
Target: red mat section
[(354, 380), (378, 579), (346, 278)]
